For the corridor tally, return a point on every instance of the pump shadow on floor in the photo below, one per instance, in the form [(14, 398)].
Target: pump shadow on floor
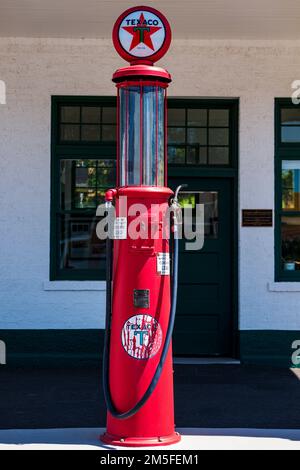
[(206, 396)]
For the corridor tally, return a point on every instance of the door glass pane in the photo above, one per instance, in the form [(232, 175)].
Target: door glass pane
[(211, 211), (79, 246), (83, 181), (290, 243), (290, 181)]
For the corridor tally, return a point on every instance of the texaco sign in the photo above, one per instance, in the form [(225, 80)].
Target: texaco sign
[(141, 336), (141, 33)]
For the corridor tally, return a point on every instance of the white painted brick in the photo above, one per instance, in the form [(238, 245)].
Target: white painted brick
[(35, 69)]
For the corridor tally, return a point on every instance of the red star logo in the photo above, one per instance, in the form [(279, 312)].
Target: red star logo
[(141, 33)]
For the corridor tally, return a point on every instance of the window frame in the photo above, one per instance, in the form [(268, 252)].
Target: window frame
[(72, 150), (209, 103), (283, 151)]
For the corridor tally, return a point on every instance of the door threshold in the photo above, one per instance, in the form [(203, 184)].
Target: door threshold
[(206, 360)]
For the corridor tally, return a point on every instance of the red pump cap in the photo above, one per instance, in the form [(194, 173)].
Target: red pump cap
[(140, 72)]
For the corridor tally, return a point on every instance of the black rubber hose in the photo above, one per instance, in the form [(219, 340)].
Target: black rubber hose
[(105, 370)]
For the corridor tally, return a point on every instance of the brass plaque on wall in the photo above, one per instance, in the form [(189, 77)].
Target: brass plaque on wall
[(257, 218)]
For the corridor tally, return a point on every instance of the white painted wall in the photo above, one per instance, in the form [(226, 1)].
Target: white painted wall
[(35, 69)]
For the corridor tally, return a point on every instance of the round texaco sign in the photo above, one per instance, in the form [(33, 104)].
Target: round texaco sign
[(141, 33), (141, 336)]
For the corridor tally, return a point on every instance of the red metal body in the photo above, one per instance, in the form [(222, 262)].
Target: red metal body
[(135, 267), (141, 267), (141, 72)]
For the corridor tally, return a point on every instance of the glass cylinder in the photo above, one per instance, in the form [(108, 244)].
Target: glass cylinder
[(141, 134)]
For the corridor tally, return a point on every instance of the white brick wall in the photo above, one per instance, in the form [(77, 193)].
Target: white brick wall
[(35, 69)]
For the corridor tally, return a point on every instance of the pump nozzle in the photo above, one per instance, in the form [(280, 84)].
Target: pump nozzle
[(177, 191), (176, 208)]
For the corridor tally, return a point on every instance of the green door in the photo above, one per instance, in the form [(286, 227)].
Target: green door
[(204, 319)]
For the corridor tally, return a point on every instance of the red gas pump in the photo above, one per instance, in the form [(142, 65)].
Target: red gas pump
[(137, 370)]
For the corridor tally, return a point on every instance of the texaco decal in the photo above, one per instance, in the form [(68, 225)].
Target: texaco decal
[(141, 336)]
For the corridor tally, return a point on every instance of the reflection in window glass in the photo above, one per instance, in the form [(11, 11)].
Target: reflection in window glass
[(211, 213), (176, 154), (290, 133), (290, 243), (290, 116), (290, 180), (176, 135), (83, 182), (79, 246), (197, 136), (196, 155)]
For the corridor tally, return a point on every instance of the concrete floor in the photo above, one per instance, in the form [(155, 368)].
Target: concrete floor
[(206, 396), (192, 439)]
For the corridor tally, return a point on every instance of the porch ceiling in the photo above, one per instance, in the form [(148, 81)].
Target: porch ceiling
[(205, 19)]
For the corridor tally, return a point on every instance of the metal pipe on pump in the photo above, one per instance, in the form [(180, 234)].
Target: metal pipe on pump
[(137, 362)]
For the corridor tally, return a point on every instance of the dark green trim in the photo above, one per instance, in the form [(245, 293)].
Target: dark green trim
[(283, 151), (74, 348), (52, 348), (267, 347)]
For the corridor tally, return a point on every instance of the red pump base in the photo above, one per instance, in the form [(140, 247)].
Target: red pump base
[(140, 441)]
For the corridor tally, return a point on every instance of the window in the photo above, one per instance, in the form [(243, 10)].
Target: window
[(83, 167), (198, 134), (287, 165)]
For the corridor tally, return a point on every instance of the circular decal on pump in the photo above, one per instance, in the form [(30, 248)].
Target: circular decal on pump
[(141, 336), (141, 33)]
